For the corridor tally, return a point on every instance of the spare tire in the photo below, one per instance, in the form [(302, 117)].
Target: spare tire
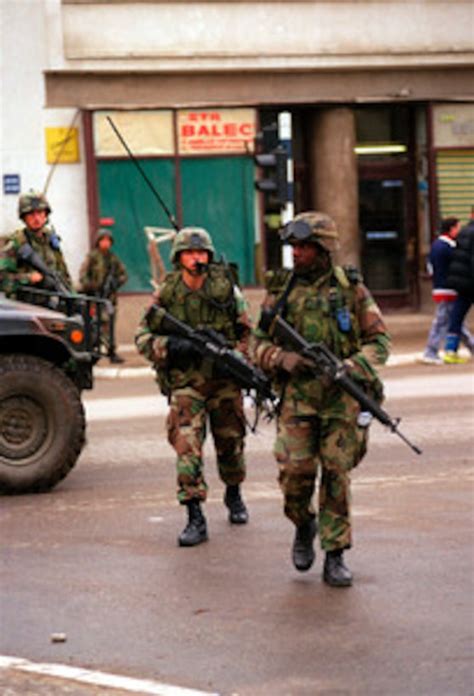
[(42, 424)]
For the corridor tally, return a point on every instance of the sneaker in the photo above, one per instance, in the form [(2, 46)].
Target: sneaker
[(452, 358), (430, 360)]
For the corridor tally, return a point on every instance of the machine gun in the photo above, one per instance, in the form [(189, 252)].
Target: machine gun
[(328, 364), (212, 345)]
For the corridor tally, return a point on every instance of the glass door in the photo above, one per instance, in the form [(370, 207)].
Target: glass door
[(383, 229)]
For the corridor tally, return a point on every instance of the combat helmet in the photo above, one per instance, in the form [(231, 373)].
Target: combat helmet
[(191, 238), (103, 232), (314, 227), (33, 200)]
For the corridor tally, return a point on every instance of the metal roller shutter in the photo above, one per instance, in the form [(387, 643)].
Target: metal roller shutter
[(455, 179)]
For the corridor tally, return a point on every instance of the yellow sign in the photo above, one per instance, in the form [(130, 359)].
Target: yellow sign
[(62, 145)]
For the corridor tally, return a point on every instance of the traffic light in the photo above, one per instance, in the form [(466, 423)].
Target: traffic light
[(272, 160)]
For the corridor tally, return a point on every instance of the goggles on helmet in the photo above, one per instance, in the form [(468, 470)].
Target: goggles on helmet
[(196, 241), (296, 229)]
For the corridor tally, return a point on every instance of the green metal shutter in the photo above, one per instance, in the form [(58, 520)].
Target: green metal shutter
[(218, 195), (125, 196)]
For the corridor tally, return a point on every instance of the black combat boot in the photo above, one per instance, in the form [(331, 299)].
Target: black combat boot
[(115, 359), (336, 573), (303, 551), (237, 511), (195, 531)]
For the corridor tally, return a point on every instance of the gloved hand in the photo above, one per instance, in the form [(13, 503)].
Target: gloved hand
[(292, 362), (181, 352)]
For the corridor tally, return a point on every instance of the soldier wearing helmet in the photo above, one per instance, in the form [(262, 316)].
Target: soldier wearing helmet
[(191, 238), (33, 210), (102, 273), (202, 294), (321, 432)]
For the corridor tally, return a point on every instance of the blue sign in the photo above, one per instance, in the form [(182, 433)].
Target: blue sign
[(11, 183)]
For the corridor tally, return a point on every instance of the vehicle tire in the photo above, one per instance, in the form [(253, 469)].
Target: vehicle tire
[(42, 424)]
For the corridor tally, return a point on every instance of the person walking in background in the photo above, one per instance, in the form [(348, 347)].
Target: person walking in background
[(204, 295), (461, 278), (320, 428), (443, 295), (102, 274)]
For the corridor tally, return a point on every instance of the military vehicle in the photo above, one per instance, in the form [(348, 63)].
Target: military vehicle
[(46, 361)]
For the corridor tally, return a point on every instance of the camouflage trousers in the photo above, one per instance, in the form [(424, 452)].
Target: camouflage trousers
[(306, 446), (107, 331), (219, 403)]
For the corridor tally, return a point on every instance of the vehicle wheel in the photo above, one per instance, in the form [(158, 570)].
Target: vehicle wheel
[(42, 424)]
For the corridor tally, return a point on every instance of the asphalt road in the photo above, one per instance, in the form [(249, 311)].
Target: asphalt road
[(97, 560)]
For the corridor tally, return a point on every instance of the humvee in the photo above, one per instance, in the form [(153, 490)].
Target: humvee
[(46, 361)]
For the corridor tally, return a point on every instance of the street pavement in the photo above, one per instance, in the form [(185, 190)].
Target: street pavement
[(96, 560)]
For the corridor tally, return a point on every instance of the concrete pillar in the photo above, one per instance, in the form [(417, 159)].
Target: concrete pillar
[(334, 180)]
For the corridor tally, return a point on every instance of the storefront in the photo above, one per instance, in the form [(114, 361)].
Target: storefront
[(198, 161), (414, 165), (389, 150)]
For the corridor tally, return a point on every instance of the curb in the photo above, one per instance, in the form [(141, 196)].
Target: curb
[(127, 372)]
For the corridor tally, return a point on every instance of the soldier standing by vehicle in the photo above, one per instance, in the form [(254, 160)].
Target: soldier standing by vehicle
[(319, 425), (102, 274), (15, 272), (204, 295)]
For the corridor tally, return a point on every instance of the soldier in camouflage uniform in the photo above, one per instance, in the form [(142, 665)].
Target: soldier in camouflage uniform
[(33, 209), (102, 274), (320, 426), (204, 295)]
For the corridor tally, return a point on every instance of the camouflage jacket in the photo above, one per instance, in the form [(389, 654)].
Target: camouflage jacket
[(336, 308), (15, 273), (102, 274), (219, 305)]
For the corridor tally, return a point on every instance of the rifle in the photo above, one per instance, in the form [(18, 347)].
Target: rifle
[(56, 295), (213, 345), (109, 285), (52, 280), (325, 362)]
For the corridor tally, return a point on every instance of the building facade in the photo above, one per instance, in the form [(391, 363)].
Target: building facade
[(382, 108)]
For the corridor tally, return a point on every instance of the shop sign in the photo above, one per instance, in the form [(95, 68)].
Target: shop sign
[(453, 125), (216, 131), (62, 145)]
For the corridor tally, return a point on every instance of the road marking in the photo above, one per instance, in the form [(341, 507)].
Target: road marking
[(125, 407), (394, 360), (461, 384), (401, 388), (86, 676)]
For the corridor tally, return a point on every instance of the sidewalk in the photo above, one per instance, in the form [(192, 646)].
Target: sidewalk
[(408, 329)]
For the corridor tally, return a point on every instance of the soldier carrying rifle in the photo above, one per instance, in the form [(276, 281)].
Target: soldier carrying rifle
[(320, 425), (15, 272), (204, 296), (102, 274)]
